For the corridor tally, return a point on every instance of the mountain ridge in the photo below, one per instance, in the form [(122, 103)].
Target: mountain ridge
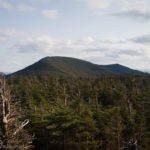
[(72, 67)]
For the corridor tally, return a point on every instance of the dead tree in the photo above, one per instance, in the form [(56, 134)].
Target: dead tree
[(11, 129)]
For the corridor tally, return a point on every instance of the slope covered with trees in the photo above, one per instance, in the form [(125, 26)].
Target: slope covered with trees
[(72, 67), (12, 133), (85, 113)]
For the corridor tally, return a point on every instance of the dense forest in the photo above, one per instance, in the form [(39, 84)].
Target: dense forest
[(85, 113)]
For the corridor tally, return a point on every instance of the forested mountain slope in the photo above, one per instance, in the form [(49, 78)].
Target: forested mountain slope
[(85, 113), (72, 67)]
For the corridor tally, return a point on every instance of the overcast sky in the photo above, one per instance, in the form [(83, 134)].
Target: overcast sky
[(100, 31)]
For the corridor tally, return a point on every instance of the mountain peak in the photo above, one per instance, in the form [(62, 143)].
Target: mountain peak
[(72, 67)]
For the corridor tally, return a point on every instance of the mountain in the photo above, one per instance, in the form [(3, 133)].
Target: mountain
[(119, 69), (1, 73), (72, 67)]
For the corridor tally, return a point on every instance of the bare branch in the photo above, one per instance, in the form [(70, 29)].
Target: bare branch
[(22, 126), (8, 111)]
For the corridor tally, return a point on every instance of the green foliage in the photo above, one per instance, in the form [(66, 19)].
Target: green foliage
[(86, 114)]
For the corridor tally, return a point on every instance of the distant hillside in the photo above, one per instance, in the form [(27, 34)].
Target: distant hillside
[(119, 69), (72, 67), (1, 73)]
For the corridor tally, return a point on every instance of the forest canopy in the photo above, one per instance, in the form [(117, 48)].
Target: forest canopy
[(85, 113)]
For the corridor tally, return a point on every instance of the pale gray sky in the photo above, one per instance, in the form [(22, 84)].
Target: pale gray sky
[(100, 31)]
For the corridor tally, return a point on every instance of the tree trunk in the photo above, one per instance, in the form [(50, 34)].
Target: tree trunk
[(5, 115)]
